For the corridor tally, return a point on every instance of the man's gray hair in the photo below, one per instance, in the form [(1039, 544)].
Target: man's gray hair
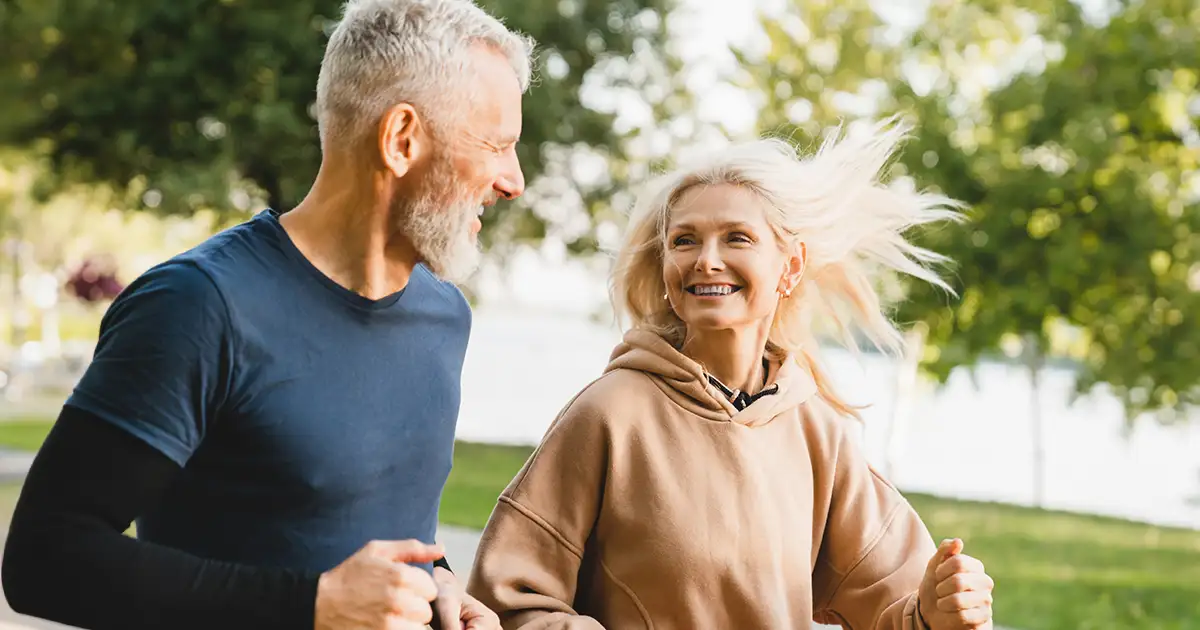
[(384, 52)]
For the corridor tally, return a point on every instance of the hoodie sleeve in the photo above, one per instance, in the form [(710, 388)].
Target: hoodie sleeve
[(873, 552), (528, 564)]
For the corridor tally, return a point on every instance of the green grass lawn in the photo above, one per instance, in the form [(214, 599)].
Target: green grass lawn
[(23, 434), (480, 473), (1053, 570)]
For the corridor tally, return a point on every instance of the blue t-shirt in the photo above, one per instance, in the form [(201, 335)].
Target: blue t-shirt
[(308, 419)]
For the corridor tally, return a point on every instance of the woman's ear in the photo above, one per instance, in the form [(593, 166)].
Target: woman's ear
[(793, 271)]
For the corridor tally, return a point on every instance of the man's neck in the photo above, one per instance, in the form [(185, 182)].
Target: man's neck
[(733, 357), (351, 237)]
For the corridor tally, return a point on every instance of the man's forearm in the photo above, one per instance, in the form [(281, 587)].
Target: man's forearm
[(67, 560), (79, 574)]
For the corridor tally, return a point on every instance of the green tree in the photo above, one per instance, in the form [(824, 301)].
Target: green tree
[(206, 103), (1073, 139), (1082, 179), (829, 62)]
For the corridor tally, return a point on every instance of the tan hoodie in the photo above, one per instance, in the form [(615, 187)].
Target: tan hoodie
[(653, 503)]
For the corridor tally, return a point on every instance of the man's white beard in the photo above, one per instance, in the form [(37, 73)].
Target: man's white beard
[(442, 237)]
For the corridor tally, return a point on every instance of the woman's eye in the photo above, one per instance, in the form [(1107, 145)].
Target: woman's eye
[(738, 237), (681, 240)]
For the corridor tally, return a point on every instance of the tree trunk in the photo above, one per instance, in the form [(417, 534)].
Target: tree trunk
[(18, 324), (1034, 362)]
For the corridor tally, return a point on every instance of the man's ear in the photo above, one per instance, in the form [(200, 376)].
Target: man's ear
[(401, 140)]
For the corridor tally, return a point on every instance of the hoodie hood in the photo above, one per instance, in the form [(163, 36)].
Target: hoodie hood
[(684, 381)]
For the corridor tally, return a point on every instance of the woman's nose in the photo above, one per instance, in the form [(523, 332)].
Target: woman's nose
[(709, 258)]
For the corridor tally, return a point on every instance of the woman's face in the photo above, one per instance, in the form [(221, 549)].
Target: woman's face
[(723, 266)]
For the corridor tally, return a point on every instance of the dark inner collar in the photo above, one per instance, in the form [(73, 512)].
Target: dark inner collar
[(741, 400)]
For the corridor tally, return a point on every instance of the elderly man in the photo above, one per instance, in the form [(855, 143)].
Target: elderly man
[(276, 407)]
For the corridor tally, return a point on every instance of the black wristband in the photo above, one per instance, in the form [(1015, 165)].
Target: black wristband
[(921, 618)]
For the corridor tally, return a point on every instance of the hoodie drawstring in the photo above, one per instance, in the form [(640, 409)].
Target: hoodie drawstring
[(741, 400)]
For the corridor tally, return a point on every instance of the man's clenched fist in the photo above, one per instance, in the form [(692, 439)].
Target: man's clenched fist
[(375, 589)]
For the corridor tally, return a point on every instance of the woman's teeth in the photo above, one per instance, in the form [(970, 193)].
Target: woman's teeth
[(711, 289)]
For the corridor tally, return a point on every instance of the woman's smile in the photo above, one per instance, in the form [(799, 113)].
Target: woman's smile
[(712, 291)]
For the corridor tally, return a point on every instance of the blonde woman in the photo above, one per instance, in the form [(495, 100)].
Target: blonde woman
[(710, 478)]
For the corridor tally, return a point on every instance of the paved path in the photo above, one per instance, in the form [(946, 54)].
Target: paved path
[(14, 465), (460, 548)]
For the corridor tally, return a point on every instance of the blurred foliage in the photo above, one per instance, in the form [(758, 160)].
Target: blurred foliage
[(62, 229), (206, 104), (1073, 138), (1072, 135)]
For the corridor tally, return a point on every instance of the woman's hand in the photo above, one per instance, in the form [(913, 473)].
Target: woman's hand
[(956, 593)]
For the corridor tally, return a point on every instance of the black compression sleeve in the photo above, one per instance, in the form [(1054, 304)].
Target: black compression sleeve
[(67, 559)]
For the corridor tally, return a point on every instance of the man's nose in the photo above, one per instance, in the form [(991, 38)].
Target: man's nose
[(511, 182)]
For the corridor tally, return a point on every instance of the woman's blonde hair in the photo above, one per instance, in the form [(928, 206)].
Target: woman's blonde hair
[(851, 224)]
